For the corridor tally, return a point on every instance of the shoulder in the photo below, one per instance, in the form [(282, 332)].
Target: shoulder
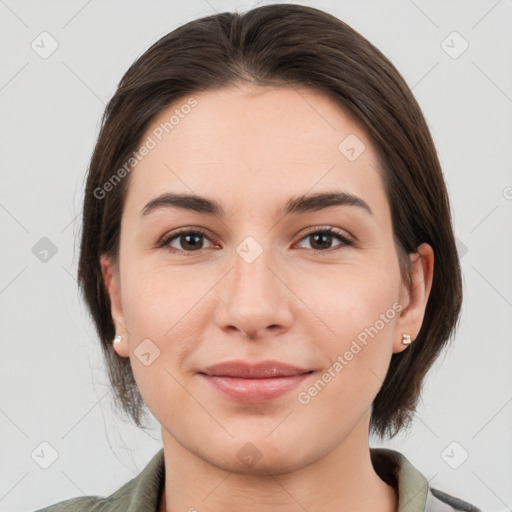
[(141, 494), (120, 501), (439, 501), (414, 490), (83, 503), (116, 502)]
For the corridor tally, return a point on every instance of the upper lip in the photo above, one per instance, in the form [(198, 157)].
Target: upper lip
[(245, 370)]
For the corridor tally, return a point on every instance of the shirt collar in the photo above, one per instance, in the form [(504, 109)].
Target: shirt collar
[(396, 470), (143, 492)]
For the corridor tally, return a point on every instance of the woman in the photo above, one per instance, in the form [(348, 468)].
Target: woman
[(263, 210)]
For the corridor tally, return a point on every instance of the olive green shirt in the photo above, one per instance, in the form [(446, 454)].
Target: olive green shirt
[(143, 492)]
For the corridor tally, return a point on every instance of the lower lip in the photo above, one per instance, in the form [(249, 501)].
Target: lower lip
[(254, 390)]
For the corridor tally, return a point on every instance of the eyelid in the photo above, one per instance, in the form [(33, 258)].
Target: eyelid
[(167, 237), (331, 229)]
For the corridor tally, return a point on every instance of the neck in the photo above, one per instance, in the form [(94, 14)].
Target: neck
[(343, 480)]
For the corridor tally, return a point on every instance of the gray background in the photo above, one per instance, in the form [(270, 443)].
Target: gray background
[(53, 382)]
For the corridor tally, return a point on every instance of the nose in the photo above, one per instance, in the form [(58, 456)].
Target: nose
[(254, 298)]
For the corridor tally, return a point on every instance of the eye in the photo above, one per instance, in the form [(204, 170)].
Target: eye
[(191, 241), (322, 239), (185, 240)]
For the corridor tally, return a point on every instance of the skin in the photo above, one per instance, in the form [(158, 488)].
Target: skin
[(252, 148)]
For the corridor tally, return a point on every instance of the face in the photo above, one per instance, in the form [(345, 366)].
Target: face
[(316, 286)]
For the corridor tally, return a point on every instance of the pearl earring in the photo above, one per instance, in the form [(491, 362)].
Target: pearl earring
[(406, 339), (117, 339)]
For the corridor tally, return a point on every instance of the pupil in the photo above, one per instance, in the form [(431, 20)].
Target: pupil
[(322, 237), (192, 244)]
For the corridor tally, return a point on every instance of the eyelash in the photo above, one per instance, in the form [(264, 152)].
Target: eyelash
[(165, 241)]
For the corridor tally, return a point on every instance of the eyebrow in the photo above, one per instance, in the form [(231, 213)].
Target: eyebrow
[(301, 204)]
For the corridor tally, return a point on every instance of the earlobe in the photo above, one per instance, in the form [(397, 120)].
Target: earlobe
[(111, 280), (411, 317), (120, 344)]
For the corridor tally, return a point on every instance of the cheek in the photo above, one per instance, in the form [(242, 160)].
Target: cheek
[(164, 329), (350, 298), (352, 317), (159, 301), (165, 317), (356, 355)]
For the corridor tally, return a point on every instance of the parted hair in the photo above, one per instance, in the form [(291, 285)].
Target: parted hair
[(283, 45)]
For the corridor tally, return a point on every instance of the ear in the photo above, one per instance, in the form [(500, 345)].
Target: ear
[(414, 298), (111, 278)]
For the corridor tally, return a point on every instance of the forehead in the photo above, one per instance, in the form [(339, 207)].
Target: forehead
[(256, 141)]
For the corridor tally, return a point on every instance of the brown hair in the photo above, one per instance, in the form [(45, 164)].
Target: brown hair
[(279, 45)]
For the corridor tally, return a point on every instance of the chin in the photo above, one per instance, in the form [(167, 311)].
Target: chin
[(258, 457)]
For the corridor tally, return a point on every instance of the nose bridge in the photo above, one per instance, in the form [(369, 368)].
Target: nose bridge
[(252, 278), (253, 297)]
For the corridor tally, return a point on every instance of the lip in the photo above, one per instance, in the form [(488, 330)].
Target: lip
[(245, 370), (254, 383)]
